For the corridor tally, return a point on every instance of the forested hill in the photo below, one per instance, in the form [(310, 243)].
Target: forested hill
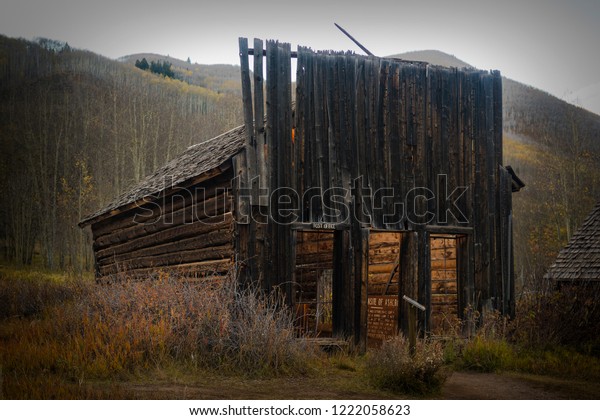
[(222, 78), (77, 129)]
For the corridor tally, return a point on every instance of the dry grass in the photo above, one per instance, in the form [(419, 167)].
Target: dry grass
[(555, 333), (548, 317), (56, 337), (391, 367)]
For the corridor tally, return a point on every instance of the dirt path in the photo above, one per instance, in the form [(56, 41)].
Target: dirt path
[(490, 386), (460, 385)]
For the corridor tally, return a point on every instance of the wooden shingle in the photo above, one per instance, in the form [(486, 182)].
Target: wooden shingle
[(579, 261)]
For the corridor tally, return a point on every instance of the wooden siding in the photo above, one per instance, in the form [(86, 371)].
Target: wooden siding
[(190, 230), (384, 144)]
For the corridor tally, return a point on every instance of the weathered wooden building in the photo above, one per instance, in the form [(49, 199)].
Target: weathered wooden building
[(381, 178), (578, 263)]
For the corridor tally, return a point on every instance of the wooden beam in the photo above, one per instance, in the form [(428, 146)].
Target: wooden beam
[(451, 230)]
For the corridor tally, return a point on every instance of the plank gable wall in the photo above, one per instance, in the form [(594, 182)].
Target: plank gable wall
[(382, 143)]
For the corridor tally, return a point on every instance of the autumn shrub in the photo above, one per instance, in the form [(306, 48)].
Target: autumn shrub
[(550, 317), (261, 336), (487, 354), (29, 293), (391, 366), (103, 332)]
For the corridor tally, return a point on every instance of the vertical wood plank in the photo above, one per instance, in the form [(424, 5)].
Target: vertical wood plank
[(424, 279), (343, 290), (250, 146), (259, 116)]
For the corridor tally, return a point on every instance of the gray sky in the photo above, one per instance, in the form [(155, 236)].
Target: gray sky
[(549, 44)]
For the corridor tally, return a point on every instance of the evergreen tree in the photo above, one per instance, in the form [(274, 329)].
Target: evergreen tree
[(143, 64)]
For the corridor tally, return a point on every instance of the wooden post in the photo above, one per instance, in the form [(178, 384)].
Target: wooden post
[(408, 276), (343, 293), (412, 330), (413, 306), (246, 228), (360, 242)]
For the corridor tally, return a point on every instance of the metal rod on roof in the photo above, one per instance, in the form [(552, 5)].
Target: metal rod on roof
[(362, 47)]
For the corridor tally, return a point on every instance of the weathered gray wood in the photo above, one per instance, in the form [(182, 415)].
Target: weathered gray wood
[(343, 286), (210, 238), (250, 146), (210, 210), (174, 198), (408, 276), (169, 235), (210, 271), (210, 253), (396, 125), (259, 115)]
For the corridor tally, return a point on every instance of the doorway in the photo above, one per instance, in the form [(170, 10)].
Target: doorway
[(383, 285), (313, 291), (444, 284)]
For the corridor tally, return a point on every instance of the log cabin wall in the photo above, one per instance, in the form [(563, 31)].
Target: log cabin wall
[(374, 143), (189, 230)]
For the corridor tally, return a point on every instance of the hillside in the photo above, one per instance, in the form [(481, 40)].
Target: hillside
[(436, 57), (221, 78), (555, 148), (77, 129)]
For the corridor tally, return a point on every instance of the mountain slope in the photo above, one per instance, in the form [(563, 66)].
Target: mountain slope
[(76, 130), (222, 78), (436, 57)]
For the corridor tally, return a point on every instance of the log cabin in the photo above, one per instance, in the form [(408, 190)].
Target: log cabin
[(380, 179)]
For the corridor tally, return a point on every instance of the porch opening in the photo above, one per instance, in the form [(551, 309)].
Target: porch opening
[(383, 285), (314, 283), (444, 284)]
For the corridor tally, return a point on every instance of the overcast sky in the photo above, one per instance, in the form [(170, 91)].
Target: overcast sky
[(549, 44)]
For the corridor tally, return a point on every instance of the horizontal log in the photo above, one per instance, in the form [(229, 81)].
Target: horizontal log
[(439, 253), (325, 259), (443, 275), (384, 258), (175, 199), (191, 215), (202, 270), (169, 235), (442, 242), (315, 247), (444, 287), (380, 288), (443, 299), (212, 253), (313, 236), (443, 264), (214, 238), (383, 244), (381, 268), (376, 237)]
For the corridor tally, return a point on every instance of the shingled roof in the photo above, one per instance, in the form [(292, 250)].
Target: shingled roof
[(580, 259), (193, 162)]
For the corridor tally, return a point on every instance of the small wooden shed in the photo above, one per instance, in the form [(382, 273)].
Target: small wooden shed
[(579, 262), (382, 179)]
